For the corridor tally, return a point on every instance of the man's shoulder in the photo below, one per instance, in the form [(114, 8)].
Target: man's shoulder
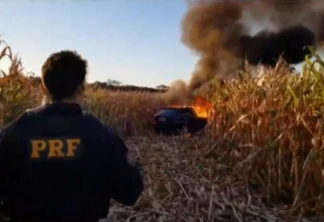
[(27, 115), (33, 111), (11, 126), (99, 124), (91, 118)]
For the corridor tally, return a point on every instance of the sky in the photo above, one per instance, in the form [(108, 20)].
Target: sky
[(137, 42)]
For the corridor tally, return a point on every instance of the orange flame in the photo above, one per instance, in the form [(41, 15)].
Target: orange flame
[(201, 107)]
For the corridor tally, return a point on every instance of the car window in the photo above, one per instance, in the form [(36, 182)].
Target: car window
[(167, 112), (173, 112)]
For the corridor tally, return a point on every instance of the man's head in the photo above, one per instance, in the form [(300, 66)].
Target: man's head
[(63, 76)]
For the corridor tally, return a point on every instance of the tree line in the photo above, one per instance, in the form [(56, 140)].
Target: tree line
[(114, 85)]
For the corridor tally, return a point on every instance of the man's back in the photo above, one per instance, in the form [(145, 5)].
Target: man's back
[(62, 164)]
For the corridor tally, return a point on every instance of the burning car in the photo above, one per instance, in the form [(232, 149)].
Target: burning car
[(183, 119)]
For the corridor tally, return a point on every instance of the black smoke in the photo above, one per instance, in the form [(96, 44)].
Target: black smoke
[(265, 48), (220, 33)]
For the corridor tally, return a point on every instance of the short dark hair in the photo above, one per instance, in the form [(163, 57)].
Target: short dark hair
[(62, 74)]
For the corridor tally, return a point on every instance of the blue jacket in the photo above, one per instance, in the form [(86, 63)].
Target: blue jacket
[(58, 163)]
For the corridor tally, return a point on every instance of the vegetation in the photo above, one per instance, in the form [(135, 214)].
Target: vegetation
[(112, 85), (260, 159)]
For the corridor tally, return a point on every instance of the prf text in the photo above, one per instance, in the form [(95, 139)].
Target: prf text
[(54, 148)]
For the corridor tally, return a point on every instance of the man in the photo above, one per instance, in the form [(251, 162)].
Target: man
[(60, 164)]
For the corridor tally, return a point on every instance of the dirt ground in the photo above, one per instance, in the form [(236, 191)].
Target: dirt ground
[(188, 180)]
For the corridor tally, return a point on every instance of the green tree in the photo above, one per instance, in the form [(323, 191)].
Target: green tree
[(162, 87), (113, 82)]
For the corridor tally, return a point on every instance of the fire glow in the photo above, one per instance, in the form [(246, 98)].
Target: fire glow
[(201, 107)]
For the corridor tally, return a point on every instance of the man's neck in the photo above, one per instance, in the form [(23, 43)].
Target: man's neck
[(72, 101)]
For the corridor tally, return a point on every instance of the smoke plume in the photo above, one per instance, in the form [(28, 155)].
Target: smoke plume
[(226, 33)]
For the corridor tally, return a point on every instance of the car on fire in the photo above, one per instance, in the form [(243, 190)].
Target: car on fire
[(174, 120)]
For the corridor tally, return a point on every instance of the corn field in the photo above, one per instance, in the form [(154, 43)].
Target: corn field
[(261, 158)]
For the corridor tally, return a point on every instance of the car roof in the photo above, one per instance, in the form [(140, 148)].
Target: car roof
[(176, 110)]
